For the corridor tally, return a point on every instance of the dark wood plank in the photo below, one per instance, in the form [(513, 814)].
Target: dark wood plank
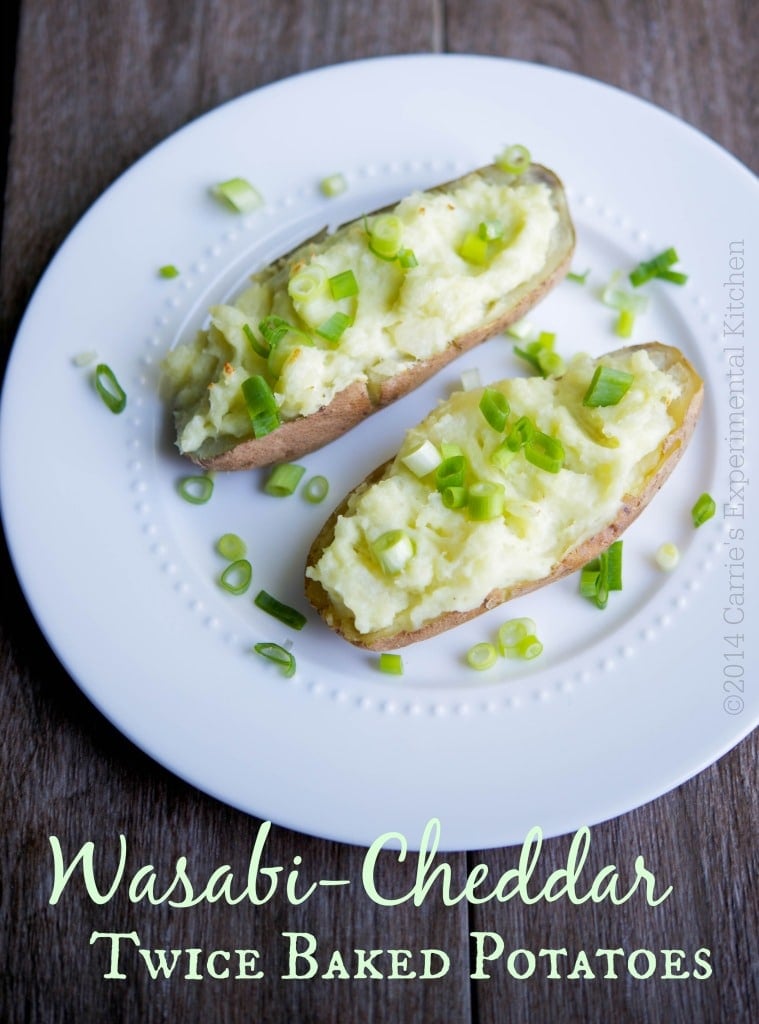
[(693, 840), (696, 59), (702, 836), (97, 85)]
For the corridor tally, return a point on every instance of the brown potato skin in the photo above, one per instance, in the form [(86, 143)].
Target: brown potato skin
[(686, 412), (297, 437)]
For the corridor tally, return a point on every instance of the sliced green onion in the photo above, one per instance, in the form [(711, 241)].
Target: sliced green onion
[(511, 633), (308, 283), (521, 329), (392, 664), (519, 435), (625, 323), (490, 230), (451, 472), (545, 452), (514, 159), (703, 510), (470, 379), (260, 348), (551, 363), (540, 354), (602, 575), (607, 387), (614, 565), (656, 267), (84, 358), (407, 258), (333, 185), (619, 298), (238, 194), (474, 249), (495, 408), (602, 589), (290, 616), (274, 652), (109, 388), (334, 328), (528, 356), (283, 479), (261, 405), (423, 459), (393, 550), (545, 340), (502, 455), (292, 341), (236, 576), (673, 276), (274, 329), (385, 236), (195, 489), (667, 556), (447, 450), (528, 648), (486, 500), (316, 489), (481, 656), (168, 270), (343, 285), (589, 577), (454, 497), (578, 278), (231, 547)]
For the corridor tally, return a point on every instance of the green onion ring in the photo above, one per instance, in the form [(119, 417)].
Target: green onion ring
[(277, 654), (109, 388), (316, 489), (231, 547), (197, 490), (481, 656), (236, 576), (495, 408), (514, 159)]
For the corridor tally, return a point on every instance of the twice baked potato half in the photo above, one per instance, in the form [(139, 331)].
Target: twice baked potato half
[(502, 490), (354, 319)]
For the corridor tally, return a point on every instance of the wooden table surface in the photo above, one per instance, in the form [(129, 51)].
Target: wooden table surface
[(96, 85)]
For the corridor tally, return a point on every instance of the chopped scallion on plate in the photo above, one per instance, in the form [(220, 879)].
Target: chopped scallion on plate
[(238, 194), (703, 510), (391, 664), (109, 389), (290, 616), (278, 655), (196, 489), (283, 479)]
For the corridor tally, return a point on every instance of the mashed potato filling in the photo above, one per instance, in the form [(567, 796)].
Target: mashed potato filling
[(399, 317), (457, 561)]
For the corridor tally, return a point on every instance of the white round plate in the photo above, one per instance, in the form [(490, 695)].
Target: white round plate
[(121, 573)]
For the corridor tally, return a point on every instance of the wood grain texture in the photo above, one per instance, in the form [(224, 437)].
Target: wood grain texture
[(696, 59), (96, 86)]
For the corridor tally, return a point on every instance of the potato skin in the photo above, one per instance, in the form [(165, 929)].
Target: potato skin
[(686, 412), (304, 434)]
